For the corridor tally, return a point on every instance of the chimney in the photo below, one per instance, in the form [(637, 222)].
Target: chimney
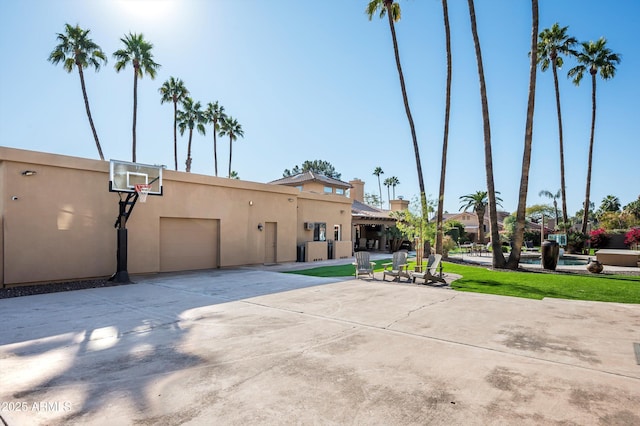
[(399, 205), (357, 191)]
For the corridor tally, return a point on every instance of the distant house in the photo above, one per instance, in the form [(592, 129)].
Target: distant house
[(470, 222)]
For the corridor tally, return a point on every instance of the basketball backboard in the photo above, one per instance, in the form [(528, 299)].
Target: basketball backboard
[(123, 177)]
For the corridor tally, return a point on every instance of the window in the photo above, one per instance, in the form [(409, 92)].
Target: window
[(299, 187), (337, 232), (339, 191), (328, 190), (319, 231)]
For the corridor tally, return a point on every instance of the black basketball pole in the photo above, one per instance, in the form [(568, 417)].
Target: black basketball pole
[(125, 208), (122, 275)]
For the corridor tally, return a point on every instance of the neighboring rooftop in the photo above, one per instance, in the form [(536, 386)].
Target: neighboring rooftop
[(305, 177), (363, 211)]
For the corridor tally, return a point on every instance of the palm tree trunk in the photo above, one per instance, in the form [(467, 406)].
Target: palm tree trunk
[(389, 197), (86, 106), (585, 216), (563, 188), (480, 215), (230, 152), (188, 162), (498, 257), (175, 133), (423, 197), (380, 190), (215, 148), (445, 141), (514, 257), (135, 110)]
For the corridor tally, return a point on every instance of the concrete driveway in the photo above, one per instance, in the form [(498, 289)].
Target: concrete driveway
[(249, 346)]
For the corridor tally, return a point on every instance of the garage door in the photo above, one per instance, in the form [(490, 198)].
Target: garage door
[(187, 244)]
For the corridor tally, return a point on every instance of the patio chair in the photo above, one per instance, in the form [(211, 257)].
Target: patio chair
[(398, 267), (528, 246), (363, 264), (430, 271)]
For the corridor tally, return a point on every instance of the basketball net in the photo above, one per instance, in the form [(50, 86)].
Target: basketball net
[(143, 190)]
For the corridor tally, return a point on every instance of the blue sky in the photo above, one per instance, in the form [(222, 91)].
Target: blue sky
[(309, 82)]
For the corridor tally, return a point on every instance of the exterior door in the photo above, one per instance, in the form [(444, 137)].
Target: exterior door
[(270, 242)]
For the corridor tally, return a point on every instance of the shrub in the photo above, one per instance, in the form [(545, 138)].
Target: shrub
[(575, 241), (632, 238), (448, 244), (533, 236), (598, 237)]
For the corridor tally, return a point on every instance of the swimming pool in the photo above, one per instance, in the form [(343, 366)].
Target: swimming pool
[(567, 261)]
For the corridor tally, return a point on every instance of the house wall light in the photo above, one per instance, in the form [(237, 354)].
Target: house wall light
[(29, 173), (260, 227)]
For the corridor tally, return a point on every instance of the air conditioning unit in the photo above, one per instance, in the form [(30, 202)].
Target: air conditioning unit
[(309, 226)]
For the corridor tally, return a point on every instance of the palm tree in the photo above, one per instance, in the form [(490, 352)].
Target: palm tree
[(75, 48), (610, 203), (230, 126), (518, 238), (554, 42), (477, 202), (173, 90), (377, 172), (445, 139), (137, 52), (234, 175), (190, 117), (388, 182), (392, 10), (595, 57), (215, 114), (554, 197), (394, 182), (498, 257)]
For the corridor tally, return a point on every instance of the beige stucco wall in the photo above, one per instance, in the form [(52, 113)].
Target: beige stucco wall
[(331, 209), (61, 226)]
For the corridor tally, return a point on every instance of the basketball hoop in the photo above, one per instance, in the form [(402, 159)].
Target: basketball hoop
[(143, 190)]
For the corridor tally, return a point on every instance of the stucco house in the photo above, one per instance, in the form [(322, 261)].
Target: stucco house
[(57, 222), (369, 224)]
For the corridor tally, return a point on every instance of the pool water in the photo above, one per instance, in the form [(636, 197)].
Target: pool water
[(568, 261)]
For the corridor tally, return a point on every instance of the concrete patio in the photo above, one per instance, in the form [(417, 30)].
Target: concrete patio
[(254, 346)]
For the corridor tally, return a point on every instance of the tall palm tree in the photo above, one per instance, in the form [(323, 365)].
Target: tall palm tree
[(388, 182), (392, 10), (174, 90), (477, 202), (230, 126), (76, 49), (189, 117), (215, 115), (554, 197), (595, 57), (137, 52), (518, 238), (552, 44), (445, 138), (394, 182), (498, 257), (377, 172)]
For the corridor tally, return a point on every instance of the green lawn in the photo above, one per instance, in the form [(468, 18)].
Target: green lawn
[(532, 285)]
